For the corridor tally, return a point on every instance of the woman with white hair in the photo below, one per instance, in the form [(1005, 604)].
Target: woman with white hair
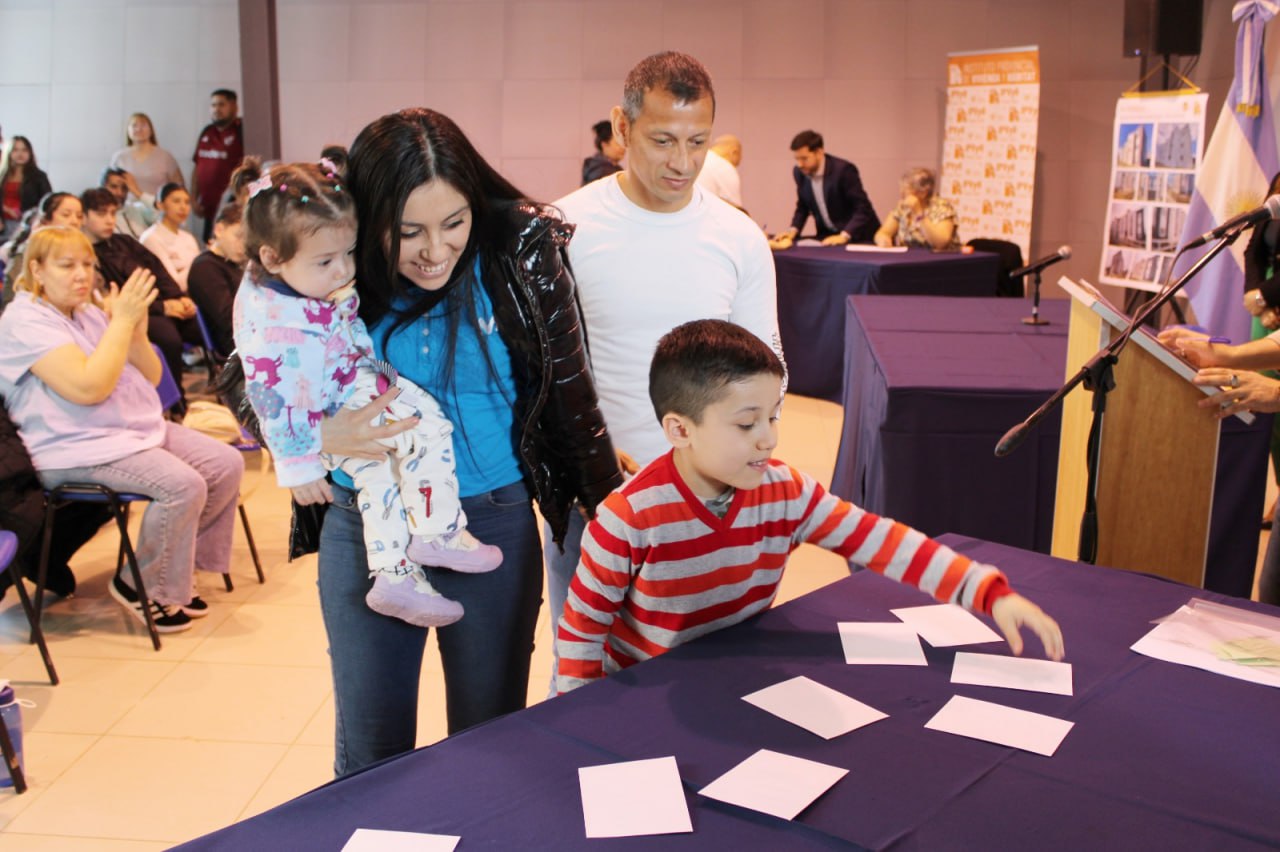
[(921, 217)]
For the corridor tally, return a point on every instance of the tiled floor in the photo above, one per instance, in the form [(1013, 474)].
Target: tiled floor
[(138, 749)]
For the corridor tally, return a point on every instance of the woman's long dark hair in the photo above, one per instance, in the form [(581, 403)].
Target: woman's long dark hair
[(389, 159), (31, 172)]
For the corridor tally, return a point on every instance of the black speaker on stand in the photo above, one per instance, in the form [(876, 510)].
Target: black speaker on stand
[(1162, 28)]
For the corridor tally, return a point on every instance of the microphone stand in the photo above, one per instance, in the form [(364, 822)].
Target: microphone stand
[(1098, 378), (1034, 319)]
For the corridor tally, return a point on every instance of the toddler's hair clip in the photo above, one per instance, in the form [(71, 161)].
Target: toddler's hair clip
[(259, 185), (328, 166)]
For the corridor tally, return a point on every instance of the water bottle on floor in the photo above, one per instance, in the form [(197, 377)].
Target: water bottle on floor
[(11, 716)]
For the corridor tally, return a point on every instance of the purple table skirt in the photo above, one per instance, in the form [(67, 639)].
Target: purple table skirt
[(931, 384), (814, 282), (1161, 756)]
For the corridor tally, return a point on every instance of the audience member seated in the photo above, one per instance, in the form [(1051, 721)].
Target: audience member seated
[(79, 382), (22, 184), (56, 208), (605, 161), (119, 256), (134, 216), (830, 190), (921, 218), (166, 239), (150, 166), (215, 276)]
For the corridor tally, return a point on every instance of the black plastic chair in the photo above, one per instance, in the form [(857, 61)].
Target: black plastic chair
[(1010, 259)]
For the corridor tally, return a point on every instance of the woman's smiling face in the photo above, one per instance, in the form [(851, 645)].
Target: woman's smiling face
[(434, 230)]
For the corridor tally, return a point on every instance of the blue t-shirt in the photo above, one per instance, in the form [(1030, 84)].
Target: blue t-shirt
[(484, 442)]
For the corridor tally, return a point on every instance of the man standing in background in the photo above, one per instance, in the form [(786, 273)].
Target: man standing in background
[(218, 152)]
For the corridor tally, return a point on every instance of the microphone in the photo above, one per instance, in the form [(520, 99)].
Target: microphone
[(1270, 209), (1062, 253)]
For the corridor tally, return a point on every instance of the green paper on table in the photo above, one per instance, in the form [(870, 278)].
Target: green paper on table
[(1250, 651)]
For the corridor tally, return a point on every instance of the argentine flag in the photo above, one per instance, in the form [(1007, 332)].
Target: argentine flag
[(1238, 165)]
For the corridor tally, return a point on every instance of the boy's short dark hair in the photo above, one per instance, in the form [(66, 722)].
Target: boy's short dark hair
[(810, 139), (225, 93), (111, 171), (98, 199), (695, 362)]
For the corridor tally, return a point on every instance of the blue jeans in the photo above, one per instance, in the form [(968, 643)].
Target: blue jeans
[(377, 661), (560, 571)]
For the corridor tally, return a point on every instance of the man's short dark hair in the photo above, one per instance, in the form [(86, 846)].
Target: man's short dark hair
[(678, 74), (229, 214), (98, 199), (603, 131), (226, 93), (810, 139), (695, 362), (110, 172)]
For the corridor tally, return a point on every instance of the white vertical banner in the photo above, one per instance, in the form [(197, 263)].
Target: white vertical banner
[(989, 145), (1156, 147)]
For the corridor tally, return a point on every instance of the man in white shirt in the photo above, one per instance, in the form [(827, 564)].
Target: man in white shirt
[(719, 174), (653, 250)]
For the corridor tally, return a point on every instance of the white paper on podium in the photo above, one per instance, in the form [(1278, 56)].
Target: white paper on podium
[(1012, 673), (947, 625), (377, 840), (887, 643), (995, 723), (814, 707), (773, 783), (638, 797)]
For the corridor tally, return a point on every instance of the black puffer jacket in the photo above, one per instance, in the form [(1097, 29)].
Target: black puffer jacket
[(562, 437)]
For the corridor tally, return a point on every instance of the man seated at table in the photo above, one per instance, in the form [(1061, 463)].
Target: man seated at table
[(698, 540), (829, 189)]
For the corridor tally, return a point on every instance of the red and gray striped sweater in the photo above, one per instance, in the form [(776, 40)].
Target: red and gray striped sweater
[(659, 568)]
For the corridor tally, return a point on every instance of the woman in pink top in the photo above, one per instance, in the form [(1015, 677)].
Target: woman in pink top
[(79, 382)]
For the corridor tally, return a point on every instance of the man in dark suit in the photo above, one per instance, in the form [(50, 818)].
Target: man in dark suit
[(829, 189)]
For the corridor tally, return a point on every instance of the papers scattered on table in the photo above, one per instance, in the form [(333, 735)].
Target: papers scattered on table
[(1012, 673), (880, 644), (814, 707), (639, 797), (995, 723), (1222, 639), (867, 247), (773, 783), (376, 840), (947, 625)]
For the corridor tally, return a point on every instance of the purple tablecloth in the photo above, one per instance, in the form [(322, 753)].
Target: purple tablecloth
[(815, 281), (931, 384), (1161, 756)]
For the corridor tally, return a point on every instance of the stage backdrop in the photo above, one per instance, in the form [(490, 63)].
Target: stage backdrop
[(1157, 146), (989, 144)]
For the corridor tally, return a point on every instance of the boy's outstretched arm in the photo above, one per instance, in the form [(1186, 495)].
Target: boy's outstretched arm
[(1012, 612)]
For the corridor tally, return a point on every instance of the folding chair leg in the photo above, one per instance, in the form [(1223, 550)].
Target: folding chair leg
[(139, 587), (253, 548), (11, 760), (226, 581), (37, 635)]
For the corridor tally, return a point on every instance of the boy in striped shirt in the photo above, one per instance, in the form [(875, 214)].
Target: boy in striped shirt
[(697, 541)]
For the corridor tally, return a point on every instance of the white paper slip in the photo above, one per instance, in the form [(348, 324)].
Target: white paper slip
[(1012, 673), (1194, 634), (995, 723), (880, 644), (635, 798), (814, 707), (377, 840), (773, 783), (947, 625), (868, 247)]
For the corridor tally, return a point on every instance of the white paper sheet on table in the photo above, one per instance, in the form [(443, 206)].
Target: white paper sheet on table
[(638, 797), (995, 723), (772, 783), (869, 247), (378, 840), (947, 625), (1188, 638), (1012, 673), (887, 643), (814, 707)]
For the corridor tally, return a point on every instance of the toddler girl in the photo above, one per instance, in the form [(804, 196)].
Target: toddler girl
[(306, 353)]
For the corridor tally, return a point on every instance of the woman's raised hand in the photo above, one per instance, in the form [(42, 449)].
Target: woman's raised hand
[(131, 302)]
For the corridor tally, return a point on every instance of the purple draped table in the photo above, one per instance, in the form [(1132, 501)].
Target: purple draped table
[(1161, 756), (931, 384), (815, 281)]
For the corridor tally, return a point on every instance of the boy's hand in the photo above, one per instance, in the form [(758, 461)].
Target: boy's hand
[(317, 491), (1013, 612)]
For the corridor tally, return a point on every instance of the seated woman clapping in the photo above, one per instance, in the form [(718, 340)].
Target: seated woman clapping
[(921, 218), (79, 381)]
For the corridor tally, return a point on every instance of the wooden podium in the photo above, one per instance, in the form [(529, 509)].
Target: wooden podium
[(1158, 451)]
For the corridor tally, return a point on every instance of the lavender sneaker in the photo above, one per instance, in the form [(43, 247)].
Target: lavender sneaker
[(457, 551), (409, 597)]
